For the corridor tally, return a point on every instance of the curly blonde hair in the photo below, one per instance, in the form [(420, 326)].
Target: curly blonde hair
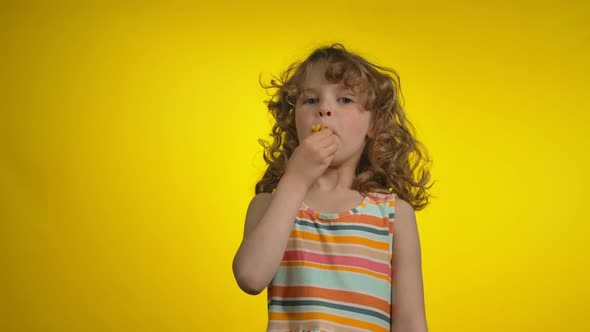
[(392, 161)]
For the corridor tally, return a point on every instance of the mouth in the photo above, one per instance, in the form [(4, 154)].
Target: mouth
[(316, 127), (319, 126)]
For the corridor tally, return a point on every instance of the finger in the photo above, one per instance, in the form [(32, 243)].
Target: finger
[(330, 150), (321, 135), (325, 133), (322, 140), (327, 142)]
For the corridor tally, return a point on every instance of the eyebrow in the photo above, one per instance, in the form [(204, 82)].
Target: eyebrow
[(340, 87)]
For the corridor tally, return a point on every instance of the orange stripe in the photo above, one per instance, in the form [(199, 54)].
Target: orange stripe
[(328, 317), (332, 294), (381, 256), (340, 239), (338, 268), (379, 221), (391, 203)]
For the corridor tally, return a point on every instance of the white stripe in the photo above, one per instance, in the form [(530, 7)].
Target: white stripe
[(339, 254)]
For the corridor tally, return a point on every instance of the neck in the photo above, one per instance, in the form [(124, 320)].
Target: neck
[(335, 179)]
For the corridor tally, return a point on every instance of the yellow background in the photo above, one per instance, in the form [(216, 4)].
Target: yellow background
[(129, 154)]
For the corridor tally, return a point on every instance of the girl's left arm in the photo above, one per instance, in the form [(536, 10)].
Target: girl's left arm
[(408, 290)]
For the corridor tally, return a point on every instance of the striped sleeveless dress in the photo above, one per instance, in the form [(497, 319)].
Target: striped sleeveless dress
[(336, 272)]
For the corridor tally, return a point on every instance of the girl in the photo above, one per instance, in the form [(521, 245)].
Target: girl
[(319, 234)]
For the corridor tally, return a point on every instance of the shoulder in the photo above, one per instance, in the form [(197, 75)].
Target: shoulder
[(260, 202), (407, 239), (256, 210), (404, 212), (402, 207), (261, 197)]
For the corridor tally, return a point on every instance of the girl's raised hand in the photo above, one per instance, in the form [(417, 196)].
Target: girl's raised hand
[(313, 156)]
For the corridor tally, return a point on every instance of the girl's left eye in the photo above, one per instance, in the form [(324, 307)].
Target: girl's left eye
[(346, 100)]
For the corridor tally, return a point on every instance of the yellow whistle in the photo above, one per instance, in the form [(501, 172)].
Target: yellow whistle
[(317, 127)]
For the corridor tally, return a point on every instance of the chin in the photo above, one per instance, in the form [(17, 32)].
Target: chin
[(335, 162)]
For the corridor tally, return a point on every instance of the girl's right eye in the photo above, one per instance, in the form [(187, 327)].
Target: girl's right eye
[(310, 101)]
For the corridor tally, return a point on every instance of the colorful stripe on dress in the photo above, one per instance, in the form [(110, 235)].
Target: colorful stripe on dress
[(336, 272)]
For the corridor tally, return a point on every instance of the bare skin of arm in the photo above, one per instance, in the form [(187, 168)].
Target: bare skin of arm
[(269, 221), (266, 232), (408, 290)]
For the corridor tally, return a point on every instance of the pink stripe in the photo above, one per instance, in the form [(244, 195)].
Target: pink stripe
[(336, 260), (383, 198)]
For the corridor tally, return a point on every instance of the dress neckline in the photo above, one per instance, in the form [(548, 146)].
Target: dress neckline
[(321, 215)]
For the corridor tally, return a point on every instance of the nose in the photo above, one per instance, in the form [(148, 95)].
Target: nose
[(325, 110)]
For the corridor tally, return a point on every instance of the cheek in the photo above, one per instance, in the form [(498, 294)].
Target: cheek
[(301, 123), (360, 124), (298, 119)]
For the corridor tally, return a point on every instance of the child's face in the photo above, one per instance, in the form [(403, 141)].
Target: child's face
[(336, 107)]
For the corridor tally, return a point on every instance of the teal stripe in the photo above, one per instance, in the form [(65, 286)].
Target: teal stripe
[(310, 228), (331, 305), (342, 313), (368, 236), (344, 280), (383, 232)]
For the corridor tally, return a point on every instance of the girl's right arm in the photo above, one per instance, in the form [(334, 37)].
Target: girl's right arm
[(270, 221), (266, 232)]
